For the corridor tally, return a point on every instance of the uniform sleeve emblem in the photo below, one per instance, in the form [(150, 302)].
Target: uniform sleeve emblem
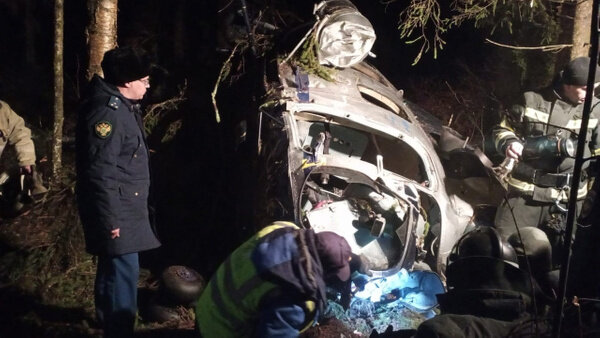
[(103, 129)]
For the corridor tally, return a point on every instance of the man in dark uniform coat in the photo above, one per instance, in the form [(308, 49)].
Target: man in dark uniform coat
[(113, 181)]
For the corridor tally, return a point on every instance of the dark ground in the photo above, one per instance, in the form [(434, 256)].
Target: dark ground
[(202, 213)]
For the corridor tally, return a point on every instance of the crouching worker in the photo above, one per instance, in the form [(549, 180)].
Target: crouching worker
[(273, 285), (489, 295), (14, 133)]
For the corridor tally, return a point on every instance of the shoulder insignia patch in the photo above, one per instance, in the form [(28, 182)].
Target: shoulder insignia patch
[(103, 129), (114, 102)]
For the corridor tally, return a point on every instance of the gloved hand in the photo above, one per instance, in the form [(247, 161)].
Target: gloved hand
[(360, 280), (35, 182), (26, 169), (346, 297), (514, 150)]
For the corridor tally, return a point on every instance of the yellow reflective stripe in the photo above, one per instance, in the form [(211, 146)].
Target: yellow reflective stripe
[(536, 115), (555, 193), (504, 124), (280, 224), (234, 294), (307, 164), (310, 307), (521, 185), (274, 226), (596, 152), (503, 135), (576, 124), (540, 116)]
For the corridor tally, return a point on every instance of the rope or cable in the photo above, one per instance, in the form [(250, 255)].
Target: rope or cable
[(531, 280)]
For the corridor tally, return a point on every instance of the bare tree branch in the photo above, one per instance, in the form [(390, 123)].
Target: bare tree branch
[(155, 112), (547, 48), (426, 21), (223, 73)]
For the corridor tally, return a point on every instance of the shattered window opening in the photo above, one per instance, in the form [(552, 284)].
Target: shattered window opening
[(381, 101), (398, 157)]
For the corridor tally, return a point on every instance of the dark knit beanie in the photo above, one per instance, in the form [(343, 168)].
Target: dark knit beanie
[(334, 252), (125, 64), (576, 72)]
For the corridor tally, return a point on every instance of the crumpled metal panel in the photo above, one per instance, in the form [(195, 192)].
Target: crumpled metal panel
[(345, 37)]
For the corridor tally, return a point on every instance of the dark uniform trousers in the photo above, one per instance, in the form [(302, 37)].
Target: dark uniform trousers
[(116, 293), (521, 211)]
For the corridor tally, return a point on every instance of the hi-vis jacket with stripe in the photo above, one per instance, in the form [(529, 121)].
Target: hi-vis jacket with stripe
[(271, 285), (540, 114)]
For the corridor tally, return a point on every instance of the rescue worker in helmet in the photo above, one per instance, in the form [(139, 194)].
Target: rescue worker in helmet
[(539, 133), (274, 284), (488, 294)]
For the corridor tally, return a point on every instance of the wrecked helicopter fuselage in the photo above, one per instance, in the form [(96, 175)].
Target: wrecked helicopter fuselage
[(350, 156), (346, 152)]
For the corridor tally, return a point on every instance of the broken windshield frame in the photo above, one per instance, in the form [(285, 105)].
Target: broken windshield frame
[(361, 145)]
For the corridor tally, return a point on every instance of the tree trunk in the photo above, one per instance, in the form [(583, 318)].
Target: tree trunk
[(565, 12), (101, 32), (58, 91), (581, 29)]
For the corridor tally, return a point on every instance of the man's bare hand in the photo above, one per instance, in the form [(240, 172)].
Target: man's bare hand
[(115, 233), (26, 169), (514, 150)]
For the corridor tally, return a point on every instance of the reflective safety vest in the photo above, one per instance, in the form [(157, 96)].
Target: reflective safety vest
[(230, 304)]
